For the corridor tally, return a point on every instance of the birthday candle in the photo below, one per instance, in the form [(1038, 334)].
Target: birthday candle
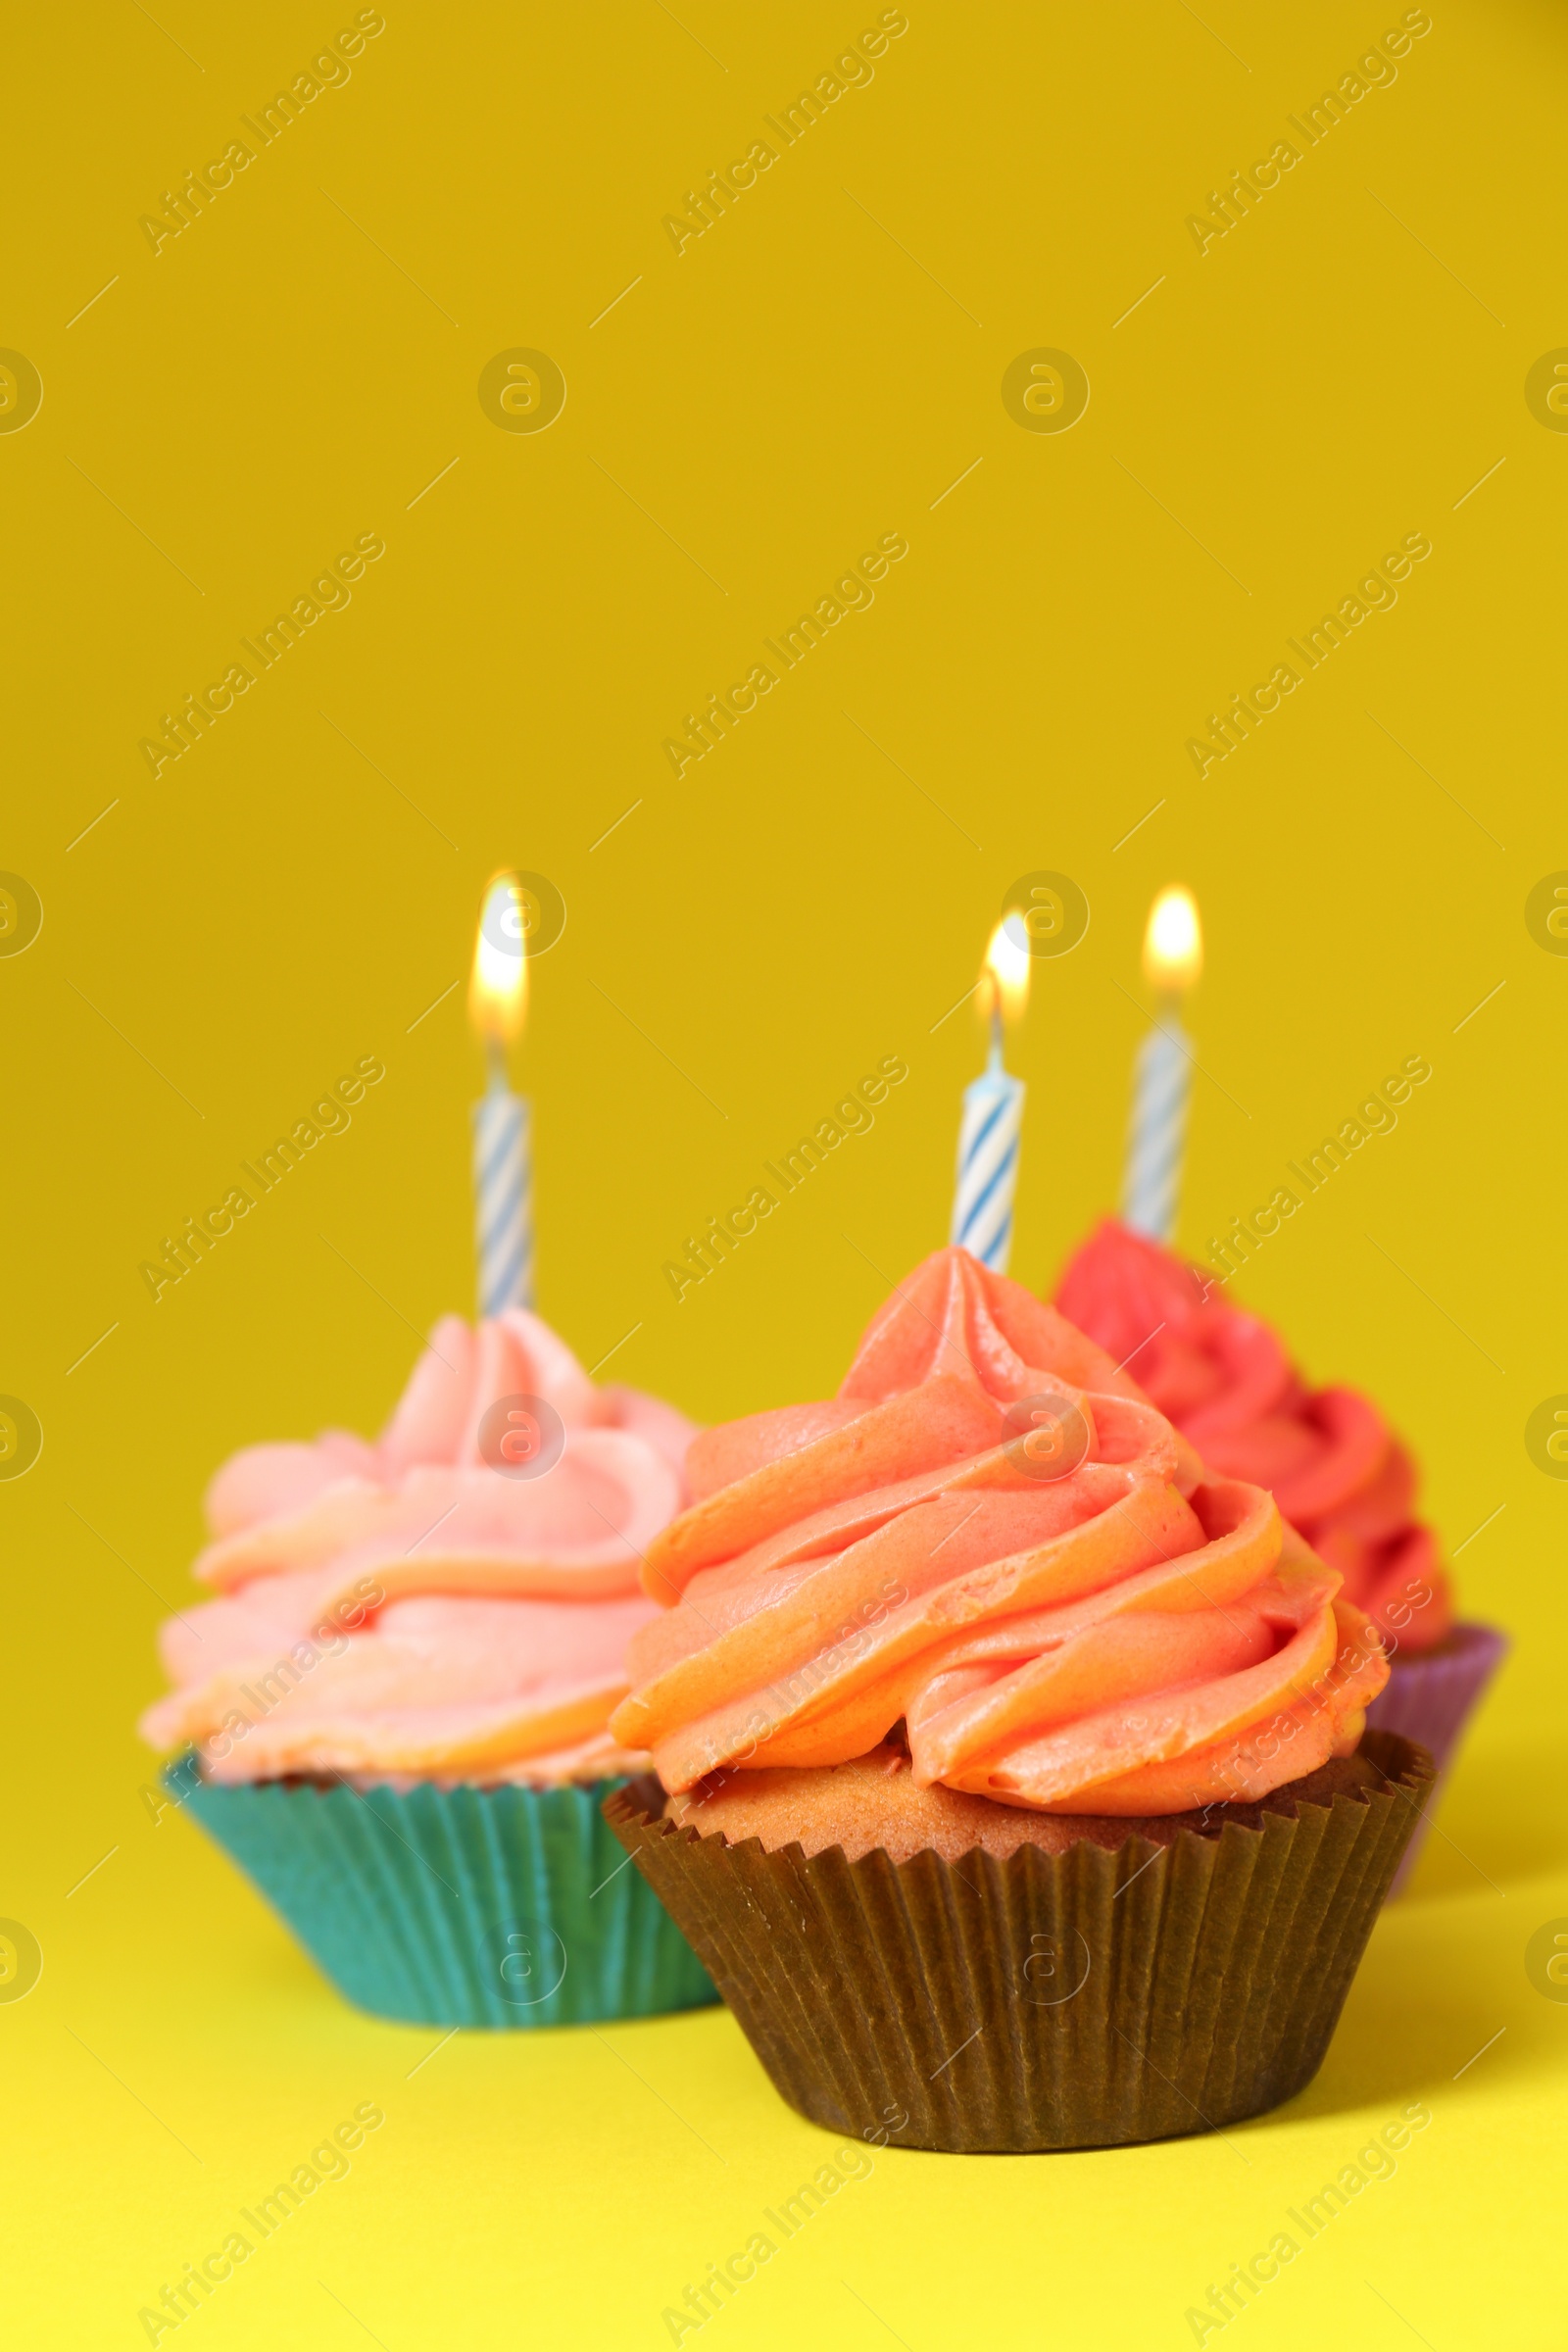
[(503, 1157), (1173, 957), (993, 1114)]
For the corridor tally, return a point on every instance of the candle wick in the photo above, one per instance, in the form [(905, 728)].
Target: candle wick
[(496, 1056), (997, 1062)]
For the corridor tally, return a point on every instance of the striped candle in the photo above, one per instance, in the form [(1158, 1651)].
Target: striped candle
[(1157, 1138), (502, 1194), (503, 1154), (1158, 1134), (993, 1114), (988, 1163)]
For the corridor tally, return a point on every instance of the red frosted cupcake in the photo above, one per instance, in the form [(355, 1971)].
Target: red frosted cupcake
[(1336, 1469), (951, 1665)]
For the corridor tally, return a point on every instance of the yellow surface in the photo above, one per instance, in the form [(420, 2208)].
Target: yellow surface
[(816, 371)]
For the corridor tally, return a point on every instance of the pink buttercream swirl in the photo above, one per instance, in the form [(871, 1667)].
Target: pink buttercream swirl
[(403, 1607), (1336, 1469)]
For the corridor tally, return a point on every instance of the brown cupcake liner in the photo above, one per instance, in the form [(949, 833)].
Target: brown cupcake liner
[(1073, 2001)]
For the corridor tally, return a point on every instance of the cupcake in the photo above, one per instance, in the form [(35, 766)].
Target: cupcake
[(395, 1714), (1336, 1469), (1011, 1773)]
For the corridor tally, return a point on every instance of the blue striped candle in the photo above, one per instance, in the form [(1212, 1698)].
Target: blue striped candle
[(503, 1195), (993, 1116), (503, 1157), (1158, 1134), (988, 1163), (1157, 1138)]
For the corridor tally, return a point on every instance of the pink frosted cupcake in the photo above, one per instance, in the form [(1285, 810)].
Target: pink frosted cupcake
[(395, 1714), (1336, 1469)]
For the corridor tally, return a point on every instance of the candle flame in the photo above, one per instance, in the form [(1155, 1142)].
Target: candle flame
[(1005, 970), (497, 991), (1173, 944)]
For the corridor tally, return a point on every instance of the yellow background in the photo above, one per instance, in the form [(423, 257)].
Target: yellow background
[(816, 370)]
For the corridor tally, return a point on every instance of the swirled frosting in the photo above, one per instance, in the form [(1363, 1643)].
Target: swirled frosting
[(991, 1534), (403, 1607), (1222, 1376)]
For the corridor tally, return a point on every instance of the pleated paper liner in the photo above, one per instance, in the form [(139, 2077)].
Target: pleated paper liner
[(1074, 2000), (1430, 1697), (497, 1907)]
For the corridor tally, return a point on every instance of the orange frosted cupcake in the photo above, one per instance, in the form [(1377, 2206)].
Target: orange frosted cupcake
[(1013, 1771)]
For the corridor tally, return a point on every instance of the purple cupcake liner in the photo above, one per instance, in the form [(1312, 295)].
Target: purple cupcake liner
[(1428, 1698)]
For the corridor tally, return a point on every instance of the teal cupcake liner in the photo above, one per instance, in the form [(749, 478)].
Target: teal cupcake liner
[(502, 1908)]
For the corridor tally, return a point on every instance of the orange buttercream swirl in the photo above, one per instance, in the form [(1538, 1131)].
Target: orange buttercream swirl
[(992, 1536)]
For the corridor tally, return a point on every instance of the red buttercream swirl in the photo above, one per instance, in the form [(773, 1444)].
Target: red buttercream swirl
[(991, 1533), (1222, 1376)]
